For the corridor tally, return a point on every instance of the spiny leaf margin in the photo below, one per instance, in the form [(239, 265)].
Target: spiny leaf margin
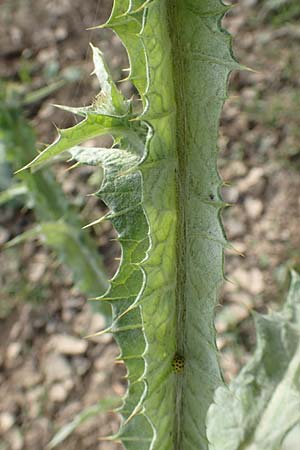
[(146, 285)]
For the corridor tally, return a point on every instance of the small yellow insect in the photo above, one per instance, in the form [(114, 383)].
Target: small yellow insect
[(178, 363)]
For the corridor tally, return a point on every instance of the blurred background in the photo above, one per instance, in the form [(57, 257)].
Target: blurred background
[(51, 379)]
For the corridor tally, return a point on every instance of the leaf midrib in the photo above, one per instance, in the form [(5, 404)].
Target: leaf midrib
[(181, 210)]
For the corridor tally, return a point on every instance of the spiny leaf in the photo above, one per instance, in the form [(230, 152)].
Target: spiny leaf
[(129, 28), (162, 187), (204, 69), (262, 405), (112, 101), (92, 126)]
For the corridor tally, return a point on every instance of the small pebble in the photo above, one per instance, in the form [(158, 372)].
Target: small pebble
[(27, 376), (235, 228), (81, 364), (12, 352), (253, 177), (230, 194), (254, 207), (250, 280), (7, 420), (56, 368), (58, 393), (68, 345)]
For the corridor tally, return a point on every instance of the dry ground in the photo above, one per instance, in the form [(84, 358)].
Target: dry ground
[(48, 373)]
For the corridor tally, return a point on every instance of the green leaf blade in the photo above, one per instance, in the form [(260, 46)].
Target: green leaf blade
[(262, 405), (162, 188), (92, 126)]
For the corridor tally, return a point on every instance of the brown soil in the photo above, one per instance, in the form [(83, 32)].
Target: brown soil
[(43, 387)]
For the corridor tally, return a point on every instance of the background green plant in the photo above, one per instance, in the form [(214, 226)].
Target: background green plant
[(59, 223), (279, 12), (260, 409)]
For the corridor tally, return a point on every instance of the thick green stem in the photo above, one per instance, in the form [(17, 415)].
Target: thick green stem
[(200, 85)]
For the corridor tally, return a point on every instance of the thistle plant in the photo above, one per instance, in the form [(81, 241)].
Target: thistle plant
[(162, 186)]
